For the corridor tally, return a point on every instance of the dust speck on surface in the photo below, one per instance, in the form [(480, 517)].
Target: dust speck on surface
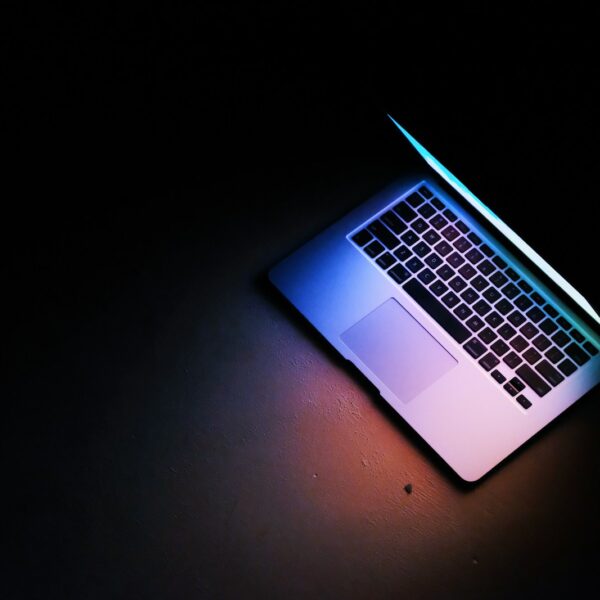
[(475, 560), (315, 475), (408, 488)]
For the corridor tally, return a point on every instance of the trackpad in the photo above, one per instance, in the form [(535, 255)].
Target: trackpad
[(400, 351)]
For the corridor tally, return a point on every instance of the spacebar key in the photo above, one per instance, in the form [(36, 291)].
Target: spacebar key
[(533, 380), (436, 310)]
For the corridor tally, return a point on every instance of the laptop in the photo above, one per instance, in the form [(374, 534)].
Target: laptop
[(465, 330)]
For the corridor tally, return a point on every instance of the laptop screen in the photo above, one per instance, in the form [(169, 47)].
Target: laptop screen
[(507, 231)]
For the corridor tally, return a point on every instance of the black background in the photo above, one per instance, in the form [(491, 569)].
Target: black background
[(156, 154)]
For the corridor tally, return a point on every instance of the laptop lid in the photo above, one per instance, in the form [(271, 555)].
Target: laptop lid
[(586, 285)]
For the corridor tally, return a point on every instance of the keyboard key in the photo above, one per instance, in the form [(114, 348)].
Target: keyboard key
[(567, 367), (425, 192), (426, 210), (511, 274), (426, 276), (438, 204), (421, 249), (443, 248), (529, 330), (481, 307), (494, 319), (415, 200), (419, 225), (403, 253), (487, 251), (512, 359), (486, 267), (378, 229), (554, 355), (533, 380), (541, 342), (469, 295), (576, 353), (537, 298), (462, 311), (399, 274), (525, 286), (500, 263), (461, 227), (563, 323), (409, 238), (499, 347), (450, 233), (475, 348), (450, 299), (506, 331), (531, 356), (504, 306), (577, 336), (393, 222), (560, 338), (437, 311), (385, 261), (523, 401), (510, 389), (519, 343), (445, 272), (516, 318), (467, 271), (434, 260), (432, 237), (510, 290), (414, 264), (549, 373), (455, 259), (438, 287), (474, 323), (491, 294), (449, 215), (489, 361), (405, 211), (462, 244), (535, 314), (487, 335), (550, 310), (498, 376), (362, 237), (523, 302), (590, 348), (474, 256), (457, 284), (374, 249), (498, 279), (438, 222), (517, 384), (474, 238), (479, 283), (548, 326)]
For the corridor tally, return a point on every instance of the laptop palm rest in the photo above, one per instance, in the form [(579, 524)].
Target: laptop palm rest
[(398, 350)]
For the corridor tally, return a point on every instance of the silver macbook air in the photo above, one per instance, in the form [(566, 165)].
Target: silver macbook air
[(470, 335)]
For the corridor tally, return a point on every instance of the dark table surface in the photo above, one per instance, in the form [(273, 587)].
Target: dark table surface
[(174, 428)]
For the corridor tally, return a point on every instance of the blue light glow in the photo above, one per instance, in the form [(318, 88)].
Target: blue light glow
[(462, 189)]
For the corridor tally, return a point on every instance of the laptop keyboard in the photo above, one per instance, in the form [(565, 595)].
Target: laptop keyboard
[(472, 293)]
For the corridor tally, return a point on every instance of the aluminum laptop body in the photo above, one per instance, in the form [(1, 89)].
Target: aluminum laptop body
[(471, 336)]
